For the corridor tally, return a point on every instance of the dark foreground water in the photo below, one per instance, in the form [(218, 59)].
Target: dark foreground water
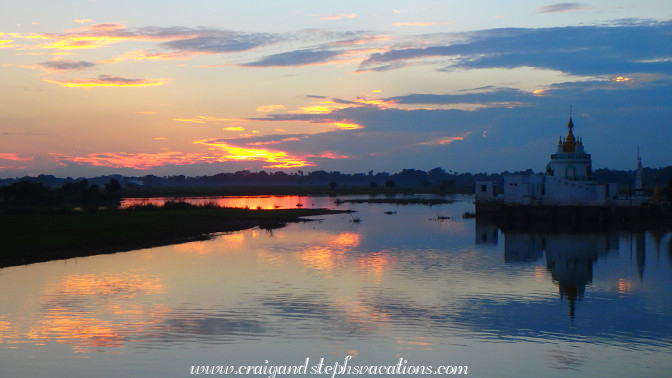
[(408, 285)]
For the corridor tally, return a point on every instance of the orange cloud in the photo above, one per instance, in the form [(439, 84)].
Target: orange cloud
[(331, 155), (270, 108), (277, 159), (339, 16), (141, 55), (6, 43), (97, 36), (147, 113), (233, 129), (140, 161), (362, 41), (208, 119), (83, 20), (448, 140), (348, 126), (107, 81), (15, 157), (327, 106)]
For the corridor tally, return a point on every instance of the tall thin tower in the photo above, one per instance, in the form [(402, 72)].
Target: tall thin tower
[(639, 185)]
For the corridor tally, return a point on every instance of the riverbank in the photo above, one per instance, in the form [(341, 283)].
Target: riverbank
[(31, 238)]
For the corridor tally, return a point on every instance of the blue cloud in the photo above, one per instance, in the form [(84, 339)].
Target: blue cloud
[(294, 58), (584, 50)]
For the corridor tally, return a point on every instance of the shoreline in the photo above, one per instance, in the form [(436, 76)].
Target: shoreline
[(33, 238)]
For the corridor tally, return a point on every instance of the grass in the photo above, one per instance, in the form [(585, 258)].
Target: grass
[(29, 238)]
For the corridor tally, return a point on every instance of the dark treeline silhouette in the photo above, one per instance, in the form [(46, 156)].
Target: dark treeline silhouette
[(436, 178), (26, 196)]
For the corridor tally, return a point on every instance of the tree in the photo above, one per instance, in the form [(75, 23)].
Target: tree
[(113, 186)]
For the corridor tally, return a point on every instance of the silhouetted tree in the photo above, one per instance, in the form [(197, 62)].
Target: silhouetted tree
[(113, 186)]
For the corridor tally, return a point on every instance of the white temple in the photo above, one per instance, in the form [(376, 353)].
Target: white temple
[(568, 181)]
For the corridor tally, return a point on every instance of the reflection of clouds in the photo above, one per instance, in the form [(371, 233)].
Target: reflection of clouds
[(417, 343), (223, 243), (251, 202), (5, 328), (376, 263), (188, 325), (92, 285), (323, 258), (91, 311), (564, 360), (339, 252), (346, 240), (320, 314)]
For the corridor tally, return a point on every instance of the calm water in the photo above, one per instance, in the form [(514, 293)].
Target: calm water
[(403, 285)]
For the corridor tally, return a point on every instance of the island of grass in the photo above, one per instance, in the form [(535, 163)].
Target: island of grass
[(44, 236)]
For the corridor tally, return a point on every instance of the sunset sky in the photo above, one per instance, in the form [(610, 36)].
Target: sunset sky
[(198, 87)]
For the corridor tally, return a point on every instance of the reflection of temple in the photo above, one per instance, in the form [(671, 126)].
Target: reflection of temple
[(486, 233), (569, 257)]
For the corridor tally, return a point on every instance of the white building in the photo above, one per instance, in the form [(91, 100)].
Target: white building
[(568, 180)]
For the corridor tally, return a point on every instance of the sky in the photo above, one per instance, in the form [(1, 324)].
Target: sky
[(199, 87)]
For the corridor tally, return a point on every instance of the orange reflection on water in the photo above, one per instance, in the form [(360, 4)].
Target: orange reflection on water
[(376, 263), (248, 202), (85, 334), (90, 312), (420, 343), (91, 285), (338, 251), (624, 286), (366, 317), (5, 328), (332, 253), (323, 258), (346, 240), (227, 241)]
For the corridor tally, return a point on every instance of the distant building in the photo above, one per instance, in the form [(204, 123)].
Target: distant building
[(568, 181)]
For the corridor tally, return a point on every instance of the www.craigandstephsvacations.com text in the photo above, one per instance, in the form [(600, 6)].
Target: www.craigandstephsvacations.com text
[(320, 368)]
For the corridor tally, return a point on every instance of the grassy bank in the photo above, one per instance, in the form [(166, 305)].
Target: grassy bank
[(29, 238)]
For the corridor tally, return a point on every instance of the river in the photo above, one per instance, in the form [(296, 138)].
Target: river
[(410, 286)]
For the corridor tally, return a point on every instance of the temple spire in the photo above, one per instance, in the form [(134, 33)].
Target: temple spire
[(570, 141)]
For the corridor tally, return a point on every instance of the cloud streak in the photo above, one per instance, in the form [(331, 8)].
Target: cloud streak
[(106, 81), (66, 65), (339, 16), (562, 7)]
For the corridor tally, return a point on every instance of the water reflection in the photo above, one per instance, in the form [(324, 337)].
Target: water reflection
[(90, 312), (401, 285), (570, 258), (250, 202)]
